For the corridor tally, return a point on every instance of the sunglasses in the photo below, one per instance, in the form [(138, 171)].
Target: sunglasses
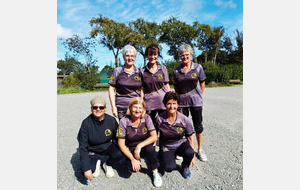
[(100, 107)]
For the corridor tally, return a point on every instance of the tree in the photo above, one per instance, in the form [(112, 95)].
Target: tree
[(146, 34), (108, 69), (113, 35), (67, 65), (81, 46), (239, 49), (203, 32), (175, 33), (213, 42)]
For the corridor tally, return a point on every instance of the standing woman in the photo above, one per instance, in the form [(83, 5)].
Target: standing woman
[(155, 80), (136, 135), (189, 83), (125, 83)]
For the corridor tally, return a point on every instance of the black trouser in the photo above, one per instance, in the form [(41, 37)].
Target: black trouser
[(112, 151), (167, 158), (148, 152), (196, 113), (121, 112)]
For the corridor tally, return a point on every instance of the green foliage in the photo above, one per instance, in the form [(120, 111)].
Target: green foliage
[(90, 79), (72, 90), (222, 73), (81, 46), (70, 81), (171, 65)]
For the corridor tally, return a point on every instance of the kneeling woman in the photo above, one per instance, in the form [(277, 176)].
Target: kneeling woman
[(176, 136), (136, 135), (96, 137)]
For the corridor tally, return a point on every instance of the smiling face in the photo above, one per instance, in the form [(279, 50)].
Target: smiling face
[(152, 55), (129, 58), (185, 57), (98, 111), (172, 106), (136, 110)]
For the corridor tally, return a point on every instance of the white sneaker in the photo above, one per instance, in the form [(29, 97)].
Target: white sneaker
[(157, 179), (97, 170), (202, 156), (109, 172), (178, 157)]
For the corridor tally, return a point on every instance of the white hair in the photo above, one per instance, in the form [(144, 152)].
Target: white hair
[(185, 47), (129, 48)]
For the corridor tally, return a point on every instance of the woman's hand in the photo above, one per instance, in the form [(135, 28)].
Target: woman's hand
[(193, 162), (137, 152), (115, 111), (136, 165), (88, 174)]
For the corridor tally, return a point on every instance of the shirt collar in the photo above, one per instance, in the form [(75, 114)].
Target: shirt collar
[(135, 70), (165, 119), (191, 68), (159, 66)]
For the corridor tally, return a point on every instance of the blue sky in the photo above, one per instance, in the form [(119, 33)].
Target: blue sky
[(73, 17)]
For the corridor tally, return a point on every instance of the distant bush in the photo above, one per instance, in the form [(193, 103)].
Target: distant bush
[(90, 79), (70, 81)]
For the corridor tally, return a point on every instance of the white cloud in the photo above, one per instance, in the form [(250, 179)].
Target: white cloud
[(225, 4), (191, 5), (63, 32)]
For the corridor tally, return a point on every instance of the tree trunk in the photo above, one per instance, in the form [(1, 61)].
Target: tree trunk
[(116, 61), (195, 59), (145, 61)]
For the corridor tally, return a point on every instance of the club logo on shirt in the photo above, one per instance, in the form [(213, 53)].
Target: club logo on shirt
[(172, 79), (193, 75), (111, 78), (136, 78), (107, 132), (179, 130), (145, 130), (160, 76), (119, 133)]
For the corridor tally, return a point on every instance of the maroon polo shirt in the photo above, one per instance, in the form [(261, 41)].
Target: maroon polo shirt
[(127, 85), (173, 135), (134, 135), (188, 85), (153, 84)]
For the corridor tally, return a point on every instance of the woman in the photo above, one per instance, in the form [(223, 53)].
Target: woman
[(96, 137), (155, 80), (176, 136), (125, 83), (189, 83), (136, 135)]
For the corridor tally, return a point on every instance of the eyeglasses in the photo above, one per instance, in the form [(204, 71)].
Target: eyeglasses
[(100, 107), (130, 56), (186, 55)]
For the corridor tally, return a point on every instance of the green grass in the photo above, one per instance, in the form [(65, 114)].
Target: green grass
[(72, 90)]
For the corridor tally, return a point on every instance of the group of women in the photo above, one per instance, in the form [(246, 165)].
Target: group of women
[(145, 105)]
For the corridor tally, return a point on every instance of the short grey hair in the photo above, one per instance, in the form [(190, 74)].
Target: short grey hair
[(129, 48), (185, 47)]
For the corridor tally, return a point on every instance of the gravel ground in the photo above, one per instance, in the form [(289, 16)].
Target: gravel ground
[(223, 144)]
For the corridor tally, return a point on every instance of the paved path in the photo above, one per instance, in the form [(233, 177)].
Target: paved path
[(223, 144)]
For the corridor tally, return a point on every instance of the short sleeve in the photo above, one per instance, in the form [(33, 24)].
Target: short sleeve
[(149, 123), (166, 74), (113, 78), (121, 131), (189, 127), (201, 75)]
